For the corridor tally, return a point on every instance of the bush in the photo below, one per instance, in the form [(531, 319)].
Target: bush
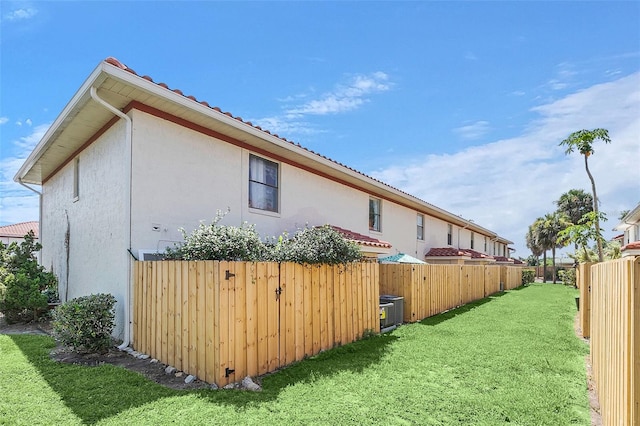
[(25, 286), (528, 276), (219, 242), (317, 245), (321, 244), (85, 323), (568, 276), (23, 301)]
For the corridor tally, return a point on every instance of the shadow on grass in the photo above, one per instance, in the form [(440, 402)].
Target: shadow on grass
[(97, 393), (439, 318)]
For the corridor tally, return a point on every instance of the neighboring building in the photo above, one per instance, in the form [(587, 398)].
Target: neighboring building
[(630, 225), (16, 232), (129, 161)]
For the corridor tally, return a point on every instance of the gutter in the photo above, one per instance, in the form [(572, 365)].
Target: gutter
[(127, 209), (19, 180)]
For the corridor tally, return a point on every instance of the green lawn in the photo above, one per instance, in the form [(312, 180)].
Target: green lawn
[(512, 358)]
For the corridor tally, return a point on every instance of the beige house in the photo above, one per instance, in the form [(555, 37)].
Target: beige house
[(15, 232), (129, 161)]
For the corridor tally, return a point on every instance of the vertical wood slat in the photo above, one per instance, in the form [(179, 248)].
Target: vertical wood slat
[(188, 315), (615, 338)]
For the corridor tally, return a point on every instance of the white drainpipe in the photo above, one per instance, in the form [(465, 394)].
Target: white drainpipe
[(128, 162), (19, 180)]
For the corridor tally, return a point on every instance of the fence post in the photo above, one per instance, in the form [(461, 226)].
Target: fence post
[(583, 277)]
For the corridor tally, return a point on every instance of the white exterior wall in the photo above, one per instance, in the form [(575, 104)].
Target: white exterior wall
[(98, 258), (182, 177)]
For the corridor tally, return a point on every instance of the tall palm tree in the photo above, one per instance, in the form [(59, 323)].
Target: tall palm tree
[(575, 204), (532, 242), (538, 243), (582, 140), (551, 225)]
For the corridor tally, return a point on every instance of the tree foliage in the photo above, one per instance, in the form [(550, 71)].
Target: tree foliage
[(312, 245), (583, 141), (575, 204), (25, 285)]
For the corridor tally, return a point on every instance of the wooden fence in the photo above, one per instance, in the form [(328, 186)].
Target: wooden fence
[(615, 338), (222, 321), (431, 289), (583, 282)]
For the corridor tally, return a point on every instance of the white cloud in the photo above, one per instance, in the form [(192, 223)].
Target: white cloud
[(3, 120), (473, 131), (345, 97), (28, 122), (506, 184), (20, 14), (18, 204)]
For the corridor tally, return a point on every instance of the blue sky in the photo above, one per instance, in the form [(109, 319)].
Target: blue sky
[(462, 104)]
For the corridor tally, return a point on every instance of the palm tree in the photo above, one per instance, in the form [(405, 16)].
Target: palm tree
[(533, 244), (575, 204), (551, 225), (582, 140)]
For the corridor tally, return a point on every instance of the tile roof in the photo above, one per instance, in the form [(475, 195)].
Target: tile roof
[(632, 246), (453, 252), (447, 251), (19, 230), (361, 239)]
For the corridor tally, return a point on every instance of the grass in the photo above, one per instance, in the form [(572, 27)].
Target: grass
[(512, 358)]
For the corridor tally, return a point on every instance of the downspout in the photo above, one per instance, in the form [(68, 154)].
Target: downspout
[(39, 210), (127, 209)]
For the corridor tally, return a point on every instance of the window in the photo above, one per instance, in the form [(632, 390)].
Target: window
[(420, 226), (494, 248), (485, 244), (472, 239), (76, 178), (449, 234), (263, 184), (374, 214)]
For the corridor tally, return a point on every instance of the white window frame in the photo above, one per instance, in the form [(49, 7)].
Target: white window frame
[(266, 181), (375, 218), (449, 234)]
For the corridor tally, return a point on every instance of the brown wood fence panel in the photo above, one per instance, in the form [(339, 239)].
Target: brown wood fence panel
[(431, 289), (491, 280), (511, 277), (222, 321), (583, 282), (615, 339)]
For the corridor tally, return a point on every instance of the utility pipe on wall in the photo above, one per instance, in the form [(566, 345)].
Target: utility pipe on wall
[(19, 180), (127, 209)]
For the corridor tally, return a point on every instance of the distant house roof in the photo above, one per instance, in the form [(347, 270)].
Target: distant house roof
[(361, 239), (447, 252), (19, 230)]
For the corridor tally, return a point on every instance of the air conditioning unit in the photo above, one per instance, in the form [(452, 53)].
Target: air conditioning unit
[(398, 307), (149, 255), (386, 315)]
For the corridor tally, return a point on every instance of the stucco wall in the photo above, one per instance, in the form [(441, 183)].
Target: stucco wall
[(98, 260), (182, 177)]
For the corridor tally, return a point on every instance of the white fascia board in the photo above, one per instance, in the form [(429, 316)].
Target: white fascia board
[(82, 95), (629, 220)]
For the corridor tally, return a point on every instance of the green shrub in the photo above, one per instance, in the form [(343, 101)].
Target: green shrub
[(23, 301), (26, 286), (219, 242), (320, 244), (568, 276), (528, 276), (85, 323)]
